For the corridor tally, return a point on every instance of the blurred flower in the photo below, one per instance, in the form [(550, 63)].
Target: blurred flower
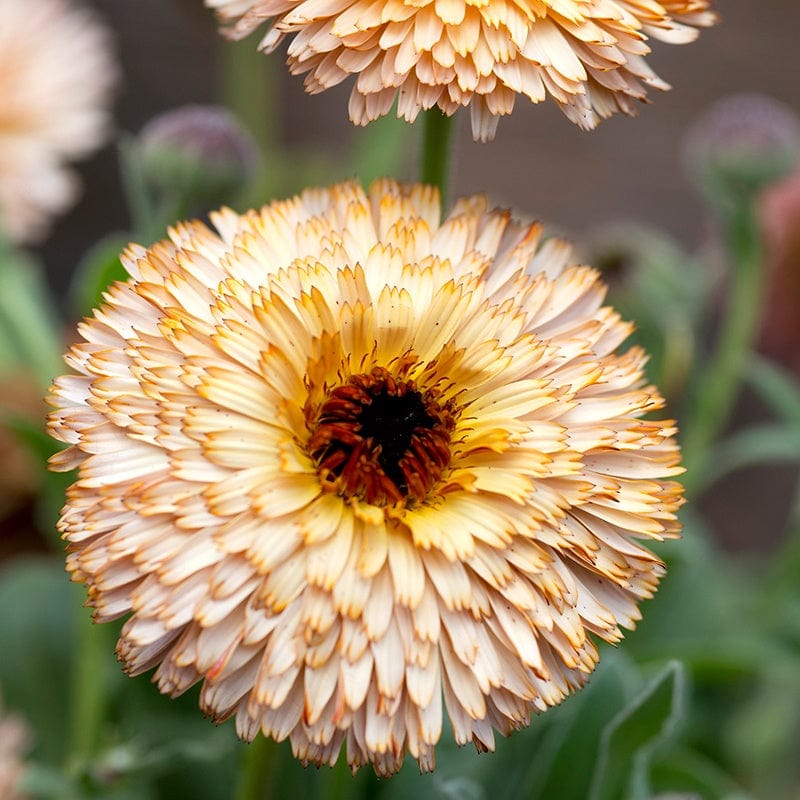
[(342, 462), (780, 223), (14, 740), (588, 55), (56, 73), (198, 153), (740, 145)]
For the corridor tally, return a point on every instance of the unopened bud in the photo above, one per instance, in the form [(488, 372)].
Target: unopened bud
[(200, 154), (739, 146)]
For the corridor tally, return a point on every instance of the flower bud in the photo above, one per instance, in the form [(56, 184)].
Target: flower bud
[(739, 146), (199, 155)]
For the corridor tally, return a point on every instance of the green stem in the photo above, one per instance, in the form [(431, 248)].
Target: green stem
[(257, 773), (437, 133), (342, 785), (137, 195), (249, 88), (88, 689), (720, 381), (28, 323), (378, 150)]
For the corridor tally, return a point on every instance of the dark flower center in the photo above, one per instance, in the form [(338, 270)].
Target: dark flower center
[(381, 439)]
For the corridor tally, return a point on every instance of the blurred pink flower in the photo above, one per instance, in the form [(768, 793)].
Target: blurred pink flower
[(780, 224)]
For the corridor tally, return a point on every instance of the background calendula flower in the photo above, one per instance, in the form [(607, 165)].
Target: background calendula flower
[(345, 463), (588, 55), (56, 73)]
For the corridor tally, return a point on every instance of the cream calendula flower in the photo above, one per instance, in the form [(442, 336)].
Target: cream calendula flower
[(56, 73), (588, 55), (348, 465)]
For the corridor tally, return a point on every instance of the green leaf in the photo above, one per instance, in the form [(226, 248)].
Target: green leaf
[(770, 443), (762, 734), (378, 149), (564, 759), (35, 641), (166, 743), (29, 322), (630, 739), (697, 600), (777, 387), (686, 770)]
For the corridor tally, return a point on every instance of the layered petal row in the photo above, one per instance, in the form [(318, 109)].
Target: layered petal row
[(588, 55)]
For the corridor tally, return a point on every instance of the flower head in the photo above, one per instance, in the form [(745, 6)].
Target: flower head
[(56, 73), (588, 55), (344, 463)]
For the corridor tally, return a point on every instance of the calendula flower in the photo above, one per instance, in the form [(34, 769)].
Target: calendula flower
[(56, 73), (588, 55), (348, 465)]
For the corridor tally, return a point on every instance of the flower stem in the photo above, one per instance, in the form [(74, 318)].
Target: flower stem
[(719, 383), (140, 203), (249, 86), (257, 773), (437, 133), (89, 688), (341, 785)]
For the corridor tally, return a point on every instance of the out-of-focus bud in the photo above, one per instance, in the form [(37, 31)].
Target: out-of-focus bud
[(739, 146), (779, 216), (199, 156)]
